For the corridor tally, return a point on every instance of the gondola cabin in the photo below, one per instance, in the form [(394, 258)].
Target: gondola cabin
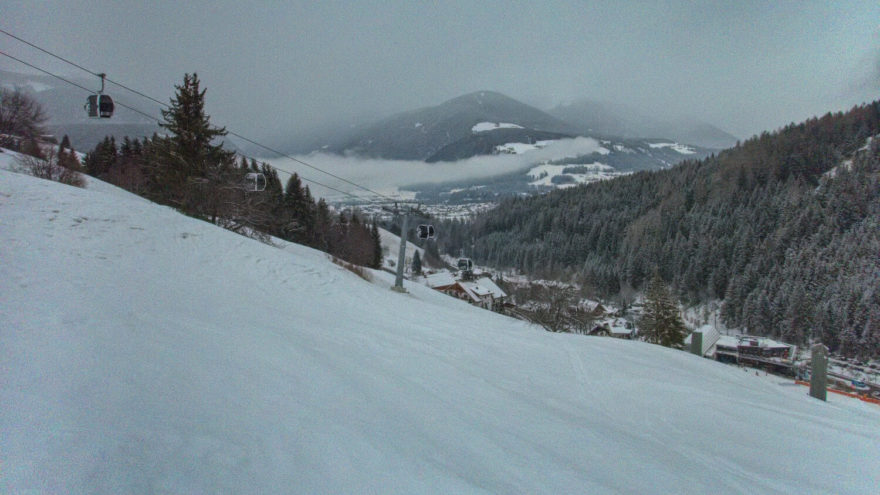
[(255, 181), (426, 231), (100, 106), (466, 268)]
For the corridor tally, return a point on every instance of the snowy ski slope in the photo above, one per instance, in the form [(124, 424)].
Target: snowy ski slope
[(142, 351)]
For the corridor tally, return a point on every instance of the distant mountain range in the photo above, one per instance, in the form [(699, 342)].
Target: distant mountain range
[(421, 134), (461, 128), (489, 123), (479, 123), (613, 120)]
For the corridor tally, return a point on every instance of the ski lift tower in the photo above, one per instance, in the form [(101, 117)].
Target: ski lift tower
[(401, 253)]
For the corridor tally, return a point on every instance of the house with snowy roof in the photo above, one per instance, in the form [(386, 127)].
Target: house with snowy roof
[(440, 280), (614, 327), (481, 292)]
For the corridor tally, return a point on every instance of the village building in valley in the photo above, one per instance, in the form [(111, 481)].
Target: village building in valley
[(480, 291)]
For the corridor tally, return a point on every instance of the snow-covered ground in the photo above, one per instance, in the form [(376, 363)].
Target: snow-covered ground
[(520, 148), (142, 351), (491, 126), (391, 249), (684, 150), (543, 174), (586, 146)]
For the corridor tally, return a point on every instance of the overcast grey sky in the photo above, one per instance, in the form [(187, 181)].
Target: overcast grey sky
[(273, 68)]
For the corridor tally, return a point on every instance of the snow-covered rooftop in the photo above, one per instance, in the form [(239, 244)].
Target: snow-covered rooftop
[(440, 279), (476, 289), (492, 287), (711, 336), (734, 341)]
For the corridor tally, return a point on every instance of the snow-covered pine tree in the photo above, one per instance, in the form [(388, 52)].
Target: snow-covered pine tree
[(661, 322)]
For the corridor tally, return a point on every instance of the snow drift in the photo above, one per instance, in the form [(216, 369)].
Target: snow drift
[(146, 352)]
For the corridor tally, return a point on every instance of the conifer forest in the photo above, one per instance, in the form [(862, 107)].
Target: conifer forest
[(784, 228)]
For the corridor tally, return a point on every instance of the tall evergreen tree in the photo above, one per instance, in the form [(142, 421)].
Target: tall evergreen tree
[(417, 264), (661, 322), (191, 169), (66, 156), (299, 211), (100, 160), (377, 246), (191, 132), (323, 224)]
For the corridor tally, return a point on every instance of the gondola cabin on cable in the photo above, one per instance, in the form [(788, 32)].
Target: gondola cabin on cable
[(254, 182), (100, 105), (466, 268), (426, 231)]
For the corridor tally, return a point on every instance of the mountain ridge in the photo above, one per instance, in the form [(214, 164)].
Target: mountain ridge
[(623, 121), (420, 133)]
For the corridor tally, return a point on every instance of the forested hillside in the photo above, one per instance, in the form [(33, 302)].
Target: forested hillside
[(784, 227), (185, 169)]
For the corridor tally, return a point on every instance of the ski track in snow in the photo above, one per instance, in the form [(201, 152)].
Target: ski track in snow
[(142, 351)]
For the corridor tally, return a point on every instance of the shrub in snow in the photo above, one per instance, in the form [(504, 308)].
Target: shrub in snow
[(55, 166)]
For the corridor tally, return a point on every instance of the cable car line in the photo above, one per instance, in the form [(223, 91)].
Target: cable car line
[(47, 52), (231, 133), (151, 117), (68, 81), (252, 181), (285, 155), (289, 157), (59, 57)]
